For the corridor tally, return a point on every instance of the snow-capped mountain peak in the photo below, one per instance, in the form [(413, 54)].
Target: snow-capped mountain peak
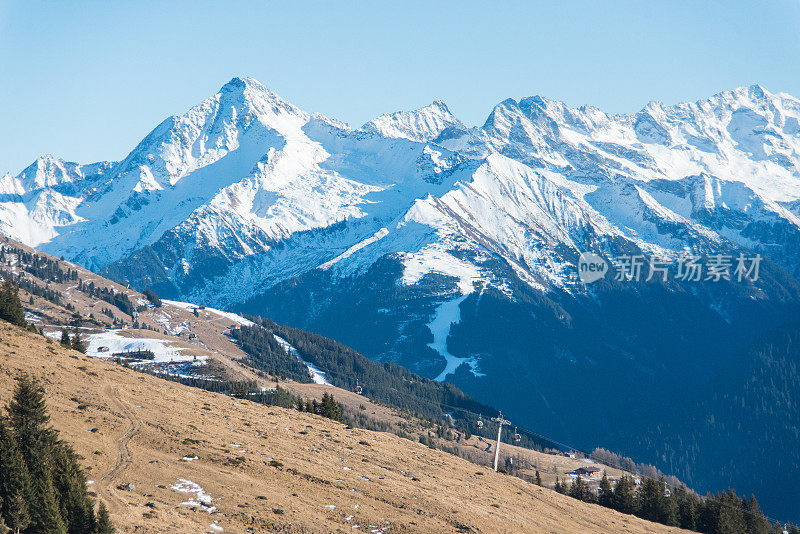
[(423, 124), (203, 135), (48, 171)]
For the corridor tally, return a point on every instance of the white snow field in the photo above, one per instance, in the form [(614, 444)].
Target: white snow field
[(114, 342)]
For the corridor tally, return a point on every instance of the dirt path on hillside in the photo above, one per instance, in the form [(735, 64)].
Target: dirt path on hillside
[(106, 482)]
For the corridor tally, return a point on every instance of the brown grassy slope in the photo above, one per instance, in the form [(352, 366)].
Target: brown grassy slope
[(135, 429), (211, 341)]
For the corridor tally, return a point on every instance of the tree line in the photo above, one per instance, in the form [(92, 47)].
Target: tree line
[(32, 287), (39, 266), (115, 298), (50, 270), (327, 408), (656, 500), (249, 390)]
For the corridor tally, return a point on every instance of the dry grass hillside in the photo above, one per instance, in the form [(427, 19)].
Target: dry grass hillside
[(267, 469), (204, 333)]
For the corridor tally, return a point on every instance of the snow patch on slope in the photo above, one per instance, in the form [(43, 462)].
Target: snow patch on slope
[(446, 315), (163, 350), (380, 234), (317, 375), (234, 317)]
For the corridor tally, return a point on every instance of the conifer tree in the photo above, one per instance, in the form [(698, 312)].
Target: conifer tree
[(580, 490), (708, 514), (70, 483), (18, 516), (650, 496), (15, 483), (152, 297), (538, 478), (330, 408), (65, 340), (606, 495), (29, 419), (77, 341), (688, 508), (625, 495), (667, 505), (41, 482), (46, 515), (11, 309), (104, 525), (754, 517), (731, 516)]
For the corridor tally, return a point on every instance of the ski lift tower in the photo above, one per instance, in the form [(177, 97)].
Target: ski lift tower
[(500, 422)]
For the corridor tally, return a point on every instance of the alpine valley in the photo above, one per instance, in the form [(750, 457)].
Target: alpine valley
[(452, 250)]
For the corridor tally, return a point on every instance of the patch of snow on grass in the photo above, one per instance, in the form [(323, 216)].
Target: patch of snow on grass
[(115, 342), (165, 320), (201, 499), (235, 317)]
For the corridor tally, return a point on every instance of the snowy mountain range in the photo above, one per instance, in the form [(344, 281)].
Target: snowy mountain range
[(453, 249), (247, 176)]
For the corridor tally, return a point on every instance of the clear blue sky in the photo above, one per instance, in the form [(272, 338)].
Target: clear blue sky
[(87, 80)]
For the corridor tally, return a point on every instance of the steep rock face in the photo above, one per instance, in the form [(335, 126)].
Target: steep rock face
[(452, 249)]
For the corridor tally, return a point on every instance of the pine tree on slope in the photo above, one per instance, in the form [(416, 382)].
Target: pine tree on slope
[(77, 341), (15, 483), (65, 340), (625, 495), (104, 525), (756, 522), (11, 309), (606, 494)]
